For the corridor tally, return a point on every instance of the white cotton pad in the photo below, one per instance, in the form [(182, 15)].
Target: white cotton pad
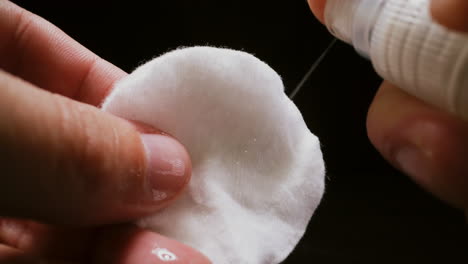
[(258, 172)]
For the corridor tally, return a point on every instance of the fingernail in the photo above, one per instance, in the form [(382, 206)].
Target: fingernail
[(168, 250), (412, 161), (132, 245), (168, 165), (413, 154)]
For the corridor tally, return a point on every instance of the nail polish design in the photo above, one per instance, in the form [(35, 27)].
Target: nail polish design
[(164, 254), (159, 195)]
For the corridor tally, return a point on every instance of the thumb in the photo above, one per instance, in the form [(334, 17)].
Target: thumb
[(65, 162), (429, 145)]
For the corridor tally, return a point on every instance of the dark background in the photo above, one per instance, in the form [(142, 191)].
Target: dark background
[(370, 212)]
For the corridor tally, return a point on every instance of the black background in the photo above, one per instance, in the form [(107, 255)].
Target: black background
[(370, 212)]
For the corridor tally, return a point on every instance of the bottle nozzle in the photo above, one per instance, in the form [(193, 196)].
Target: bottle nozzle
[(352, 21), (407, 47)]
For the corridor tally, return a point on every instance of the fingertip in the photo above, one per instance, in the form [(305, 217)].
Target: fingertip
[(125, 245), (318, 8), (451, 13), (83, 166), (150, 170)]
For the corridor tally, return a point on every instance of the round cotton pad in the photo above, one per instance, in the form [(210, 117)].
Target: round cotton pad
[(258, 172)]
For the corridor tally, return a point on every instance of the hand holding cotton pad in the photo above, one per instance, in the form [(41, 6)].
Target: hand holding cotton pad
[(258, 172)]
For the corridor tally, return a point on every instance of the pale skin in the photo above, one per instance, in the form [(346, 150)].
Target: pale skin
[(67, 167), (63, 160)]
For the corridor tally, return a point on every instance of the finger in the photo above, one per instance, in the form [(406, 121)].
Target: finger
[(40, 240), (119, 244), (40, 53), (451, 13), (429, 145), (132, 245), (318, 8), (10, 255), (69, 163)]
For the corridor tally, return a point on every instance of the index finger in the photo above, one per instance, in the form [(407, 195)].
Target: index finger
[(38, 52), (450, 13), (318, 8)]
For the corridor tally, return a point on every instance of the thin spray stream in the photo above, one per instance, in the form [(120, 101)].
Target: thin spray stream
[(312, 69), (407, 47)]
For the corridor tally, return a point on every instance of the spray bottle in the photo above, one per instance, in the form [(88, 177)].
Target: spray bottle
[(406, 47)]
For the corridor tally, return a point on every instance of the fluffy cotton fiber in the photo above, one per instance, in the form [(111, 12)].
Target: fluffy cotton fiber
[(258, 172)]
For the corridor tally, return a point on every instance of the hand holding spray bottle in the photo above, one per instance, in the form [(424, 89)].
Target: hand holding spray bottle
[(406, 48)]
